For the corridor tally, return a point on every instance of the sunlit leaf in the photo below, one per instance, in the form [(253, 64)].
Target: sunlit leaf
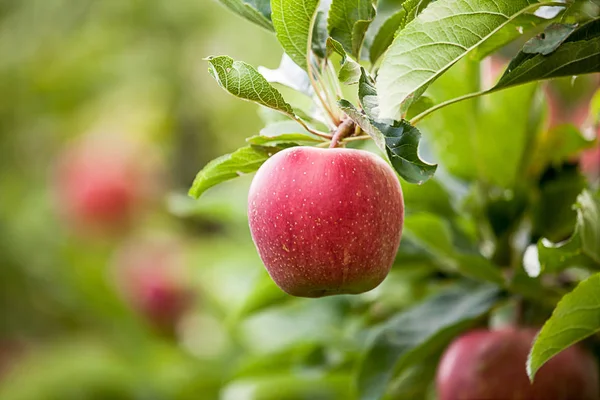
[(440, 36), (350, 70), (242, 80), (293, 21), (243, 161)]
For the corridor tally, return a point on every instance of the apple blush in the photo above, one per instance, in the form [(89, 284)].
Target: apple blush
[(326, 221)]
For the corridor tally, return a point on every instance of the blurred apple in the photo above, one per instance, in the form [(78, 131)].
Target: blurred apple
[(490, 365), (151, 276), (492, 68), (10, 352), (102, 182), (326, 221)]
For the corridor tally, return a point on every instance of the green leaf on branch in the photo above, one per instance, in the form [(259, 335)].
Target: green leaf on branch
[(400, 142), (350, 70), (583, 248), (257, 11), (578, 54), (575, 318), (242, 161), (294, 21), (348, 23), (549, 40), (419, 332), (440, 36), (242, 80)]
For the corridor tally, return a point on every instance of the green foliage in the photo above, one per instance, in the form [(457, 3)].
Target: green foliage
[(583, 247), (350, 70), (445, 32), (419, 332), (294, 23), (257, 11), (574, 319), (348, 23)]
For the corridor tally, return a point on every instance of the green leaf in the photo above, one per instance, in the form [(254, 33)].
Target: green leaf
[(350, 70), (386, 34), (348, 23), (431, 197), (320, 35), (289, 387), (396, 22), (400, 141), (257, 11), (242, 80), (576, 317), (415, 382), (579, 54), (517, 28), (549, 40), (583, 247), (474, 139), (434, 234), (419, 332), (294, 22), (242, 161), (440, 36), (298, 138)]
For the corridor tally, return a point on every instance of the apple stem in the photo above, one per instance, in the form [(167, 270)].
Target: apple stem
[(346, 128)]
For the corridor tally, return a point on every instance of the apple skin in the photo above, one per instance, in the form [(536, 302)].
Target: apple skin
[(490, 365), (326, 221)]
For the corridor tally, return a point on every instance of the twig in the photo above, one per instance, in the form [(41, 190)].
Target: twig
[(345, 129)]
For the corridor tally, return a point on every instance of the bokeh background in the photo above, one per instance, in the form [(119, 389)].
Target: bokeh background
[(172, 302)]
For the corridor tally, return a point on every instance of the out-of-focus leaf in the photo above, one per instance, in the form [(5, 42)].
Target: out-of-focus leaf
[(400, 141), (435, 235), (257, 11), (429, 197), (419, 332), (242, 80), (290, 387), (243, 161), (350, 70), (579, 54), (474, 139), (293, 21), (348, 23), (440, 36), (581, 249), (557, 194), (574, 319), (556, 146), (415, 382)]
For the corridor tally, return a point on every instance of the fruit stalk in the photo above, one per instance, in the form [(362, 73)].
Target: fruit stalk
[(345, 129)]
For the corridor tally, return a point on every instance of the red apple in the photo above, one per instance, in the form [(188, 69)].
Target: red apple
[(490, 365), (151, 276), (100, 184), (326, 221)]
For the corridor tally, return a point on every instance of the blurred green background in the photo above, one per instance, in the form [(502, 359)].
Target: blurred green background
[(107, 80)]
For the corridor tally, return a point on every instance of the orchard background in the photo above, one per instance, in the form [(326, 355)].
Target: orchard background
[(115, 283)]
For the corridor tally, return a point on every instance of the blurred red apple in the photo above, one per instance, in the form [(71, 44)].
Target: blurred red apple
[(326, 221), (151, 276), (101, 183), (492, 68), (10, 352), (490, 365)]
